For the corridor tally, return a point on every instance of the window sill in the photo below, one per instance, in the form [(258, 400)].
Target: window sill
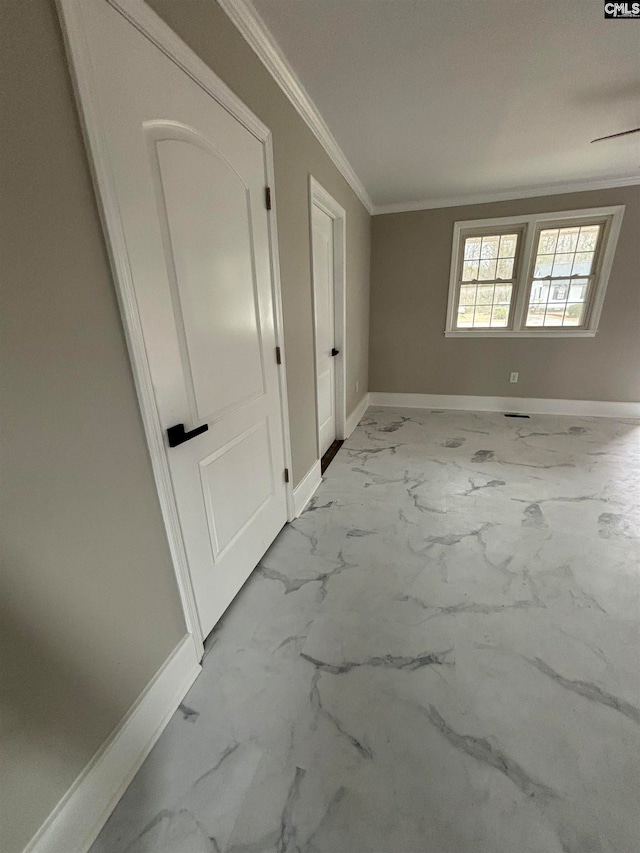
[(521, 333)]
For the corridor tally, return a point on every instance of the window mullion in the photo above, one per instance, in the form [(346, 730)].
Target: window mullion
[(523, 275)]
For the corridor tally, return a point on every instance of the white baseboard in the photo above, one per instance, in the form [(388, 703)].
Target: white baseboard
[(356, 415), (74, 824), (306, 488), (521, 405)]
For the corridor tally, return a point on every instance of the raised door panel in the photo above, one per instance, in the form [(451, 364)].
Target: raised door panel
[(212, 276), (237, 481)]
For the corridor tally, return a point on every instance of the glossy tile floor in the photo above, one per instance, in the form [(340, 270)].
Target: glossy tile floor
[(441, 654)]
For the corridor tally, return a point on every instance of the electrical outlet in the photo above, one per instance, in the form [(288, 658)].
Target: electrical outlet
[(513, 377)]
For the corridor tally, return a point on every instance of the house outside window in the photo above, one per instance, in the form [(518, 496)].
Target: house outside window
[(541, 275)]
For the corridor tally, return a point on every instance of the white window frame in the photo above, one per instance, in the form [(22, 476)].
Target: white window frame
[(530, 225)]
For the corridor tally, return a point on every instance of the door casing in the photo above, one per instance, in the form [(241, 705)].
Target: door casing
[(320, 198), (153, 27)]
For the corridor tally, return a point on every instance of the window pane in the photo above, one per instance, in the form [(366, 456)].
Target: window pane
[(535, 316), (539, 291), (481, 253), (470, 271), (573, 314), (547, 242), (544, 265), (467, 294), (582, 263), (508, 243), (485, 294), (578, 290), (472, 248), (573, 251), (502, 294), (465, 316), (485, 306), (482, 316), (559, 290), (554, 314), (490, 247), (499, 316), (588, 238), (557, 303), (505, 268), (567, 240), (487, 270), (562, 265)]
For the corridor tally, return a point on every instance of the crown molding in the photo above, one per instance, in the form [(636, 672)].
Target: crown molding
[(257, 34), (255, 31), (507, 195)]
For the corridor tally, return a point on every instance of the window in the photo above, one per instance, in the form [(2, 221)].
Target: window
[(487, 280), (563, 275), (539, 275)]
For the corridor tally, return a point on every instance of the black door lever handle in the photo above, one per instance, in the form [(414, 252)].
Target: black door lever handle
[(335, 351), (177, 435)]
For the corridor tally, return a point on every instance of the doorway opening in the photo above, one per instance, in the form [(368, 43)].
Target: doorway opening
[(328, 235), (330, 455)]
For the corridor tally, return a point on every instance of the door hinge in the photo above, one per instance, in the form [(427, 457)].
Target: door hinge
[(278, 356), (267, 197), (286, 475)]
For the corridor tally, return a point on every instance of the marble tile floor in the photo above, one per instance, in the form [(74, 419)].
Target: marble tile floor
[(440, 655)]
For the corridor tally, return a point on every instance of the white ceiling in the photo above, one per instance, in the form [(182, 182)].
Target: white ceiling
[(448, 100)]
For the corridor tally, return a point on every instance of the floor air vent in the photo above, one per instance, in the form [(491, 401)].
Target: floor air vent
[(511, 415)]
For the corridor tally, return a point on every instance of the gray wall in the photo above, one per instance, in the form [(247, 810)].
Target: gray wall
[(208, 31), (410, 259), (89, 608)]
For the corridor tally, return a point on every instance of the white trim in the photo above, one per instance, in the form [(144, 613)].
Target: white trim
[(306, 488), (259, 37), (521, 333), (74, 824), (279, 321), (522, 287), (255, 31), (524, 267), (507, 195), (319, 197), (151, 25), (505, 221), (357, 414), (610, 238), (143, 18), (520, 405)]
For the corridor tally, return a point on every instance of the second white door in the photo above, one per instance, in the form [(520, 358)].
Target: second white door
[(326, 353)]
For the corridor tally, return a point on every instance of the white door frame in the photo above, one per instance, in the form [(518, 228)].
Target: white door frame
[(153, 27), (319, 197)]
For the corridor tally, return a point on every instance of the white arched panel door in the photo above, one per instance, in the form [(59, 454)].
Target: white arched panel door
[(189, 180)]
